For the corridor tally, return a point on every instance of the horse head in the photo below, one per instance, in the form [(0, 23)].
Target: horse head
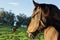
[(38, 19), (43, 15)]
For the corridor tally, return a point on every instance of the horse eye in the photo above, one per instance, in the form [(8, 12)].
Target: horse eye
[(33, 16)]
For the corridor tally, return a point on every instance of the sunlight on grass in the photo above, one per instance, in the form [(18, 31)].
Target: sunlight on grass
[(20, 34)]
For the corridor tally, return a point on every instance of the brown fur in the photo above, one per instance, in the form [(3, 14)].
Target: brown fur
[(50, 33), (45, 16)]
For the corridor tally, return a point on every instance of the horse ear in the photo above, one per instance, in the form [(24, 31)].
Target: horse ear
[(35, 4)]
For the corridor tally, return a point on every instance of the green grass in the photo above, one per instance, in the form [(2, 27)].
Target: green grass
[(7, 34)]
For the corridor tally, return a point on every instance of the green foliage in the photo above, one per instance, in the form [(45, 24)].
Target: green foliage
[(23, 19), (6, 17), (7, 34)]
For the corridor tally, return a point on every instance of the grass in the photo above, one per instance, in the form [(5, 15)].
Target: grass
[(20, 34)]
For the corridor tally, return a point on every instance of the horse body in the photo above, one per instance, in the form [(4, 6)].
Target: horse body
[(45, 16), (50, 33)]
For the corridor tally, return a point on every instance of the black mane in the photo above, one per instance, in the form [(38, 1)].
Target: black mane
[(50, 20)]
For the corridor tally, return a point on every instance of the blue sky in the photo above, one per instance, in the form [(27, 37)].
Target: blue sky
[(24, 6)]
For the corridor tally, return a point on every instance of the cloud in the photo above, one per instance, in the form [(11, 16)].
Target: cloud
[(14, 4)]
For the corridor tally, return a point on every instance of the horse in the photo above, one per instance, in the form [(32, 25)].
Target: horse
[(45, 17)]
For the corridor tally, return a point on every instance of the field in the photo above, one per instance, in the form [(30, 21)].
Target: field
[(7, 34)]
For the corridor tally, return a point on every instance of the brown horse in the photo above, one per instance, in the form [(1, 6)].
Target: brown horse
[(45, 16)]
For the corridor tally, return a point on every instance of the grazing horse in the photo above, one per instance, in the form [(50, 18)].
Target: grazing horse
[(45, 17)]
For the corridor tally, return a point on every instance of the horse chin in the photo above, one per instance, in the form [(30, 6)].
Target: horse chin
[(30, 35)]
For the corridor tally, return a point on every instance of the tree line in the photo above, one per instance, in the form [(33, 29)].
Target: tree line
[(8, 18)]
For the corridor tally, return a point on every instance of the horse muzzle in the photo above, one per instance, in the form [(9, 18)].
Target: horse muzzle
[(30, 35)]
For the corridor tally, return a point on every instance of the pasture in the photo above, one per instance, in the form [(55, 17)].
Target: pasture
[(7, 34)]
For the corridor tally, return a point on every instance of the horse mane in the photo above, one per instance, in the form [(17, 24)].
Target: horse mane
[(54, 14), (53, 9)]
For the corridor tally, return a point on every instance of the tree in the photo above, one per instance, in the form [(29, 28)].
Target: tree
[(2, 14), (9, 18), (6, 17), (23, 19)]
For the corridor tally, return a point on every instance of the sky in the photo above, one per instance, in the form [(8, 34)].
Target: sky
[(24, 6)]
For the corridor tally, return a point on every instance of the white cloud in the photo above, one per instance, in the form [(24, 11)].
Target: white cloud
[(14, 4)]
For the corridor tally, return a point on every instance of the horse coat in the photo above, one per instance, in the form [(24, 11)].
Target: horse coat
[(45, 16)]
